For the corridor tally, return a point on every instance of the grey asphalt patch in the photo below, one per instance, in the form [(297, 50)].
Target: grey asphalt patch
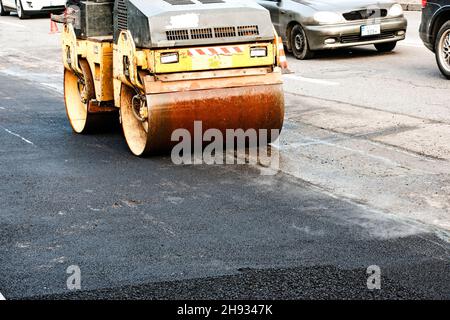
[(351, 154)]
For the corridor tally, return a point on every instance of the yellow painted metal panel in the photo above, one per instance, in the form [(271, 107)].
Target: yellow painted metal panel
[(99, 56), (212, 58)]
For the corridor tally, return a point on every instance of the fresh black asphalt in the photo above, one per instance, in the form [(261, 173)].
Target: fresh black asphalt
[(146, 228)]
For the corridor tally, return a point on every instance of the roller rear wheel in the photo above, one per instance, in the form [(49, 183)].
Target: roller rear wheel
[(135, 130), (77, 94)]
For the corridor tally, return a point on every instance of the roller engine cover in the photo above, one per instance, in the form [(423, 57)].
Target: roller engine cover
[(180, 23)]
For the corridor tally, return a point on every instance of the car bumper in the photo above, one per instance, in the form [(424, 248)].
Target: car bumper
[(426, 26), (36, 7), (427, 41), (349, 34)]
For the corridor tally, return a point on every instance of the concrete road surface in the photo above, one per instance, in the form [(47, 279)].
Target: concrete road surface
[(363, 182)]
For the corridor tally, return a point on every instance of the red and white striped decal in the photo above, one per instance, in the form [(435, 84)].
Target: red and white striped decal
[(227, 51)]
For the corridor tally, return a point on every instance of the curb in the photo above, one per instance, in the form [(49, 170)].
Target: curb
[(411, 6)]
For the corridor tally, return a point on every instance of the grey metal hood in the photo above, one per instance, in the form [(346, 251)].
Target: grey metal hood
[(346, 5), (174, 23)]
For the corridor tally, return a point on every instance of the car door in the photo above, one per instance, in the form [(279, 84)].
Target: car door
[(281, 12), (274, 8)]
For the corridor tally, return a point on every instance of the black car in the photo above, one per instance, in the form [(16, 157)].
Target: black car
[(435, 31)]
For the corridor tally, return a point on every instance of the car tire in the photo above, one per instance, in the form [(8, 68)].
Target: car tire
[(386, 47), (20, 12), (2, 10), (299, 43), (442, 49)]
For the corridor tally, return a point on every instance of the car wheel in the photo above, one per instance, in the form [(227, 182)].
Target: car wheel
[(20, 13), (443, 49), (386, 47), (299, 44), (2, 10)]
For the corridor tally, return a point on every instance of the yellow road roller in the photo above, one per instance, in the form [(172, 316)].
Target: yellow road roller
[(162, 65)]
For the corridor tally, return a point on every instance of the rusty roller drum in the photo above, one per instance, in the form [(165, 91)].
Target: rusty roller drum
[(252, 102)]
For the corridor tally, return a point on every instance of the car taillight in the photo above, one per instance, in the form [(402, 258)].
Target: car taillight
[(424, 3)]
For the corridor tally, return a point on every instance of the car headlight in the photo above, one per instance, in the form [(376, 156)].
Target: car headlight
[(171, 57), (326, 17), (396, 10)]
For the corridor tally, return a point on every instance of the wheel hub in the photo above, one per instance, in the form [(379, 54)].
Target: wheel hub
[(82, 91), (139, 107), (299, 42)]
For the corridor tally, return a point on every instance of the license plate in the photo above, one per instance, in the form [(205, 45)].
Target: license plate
[(370, 30)]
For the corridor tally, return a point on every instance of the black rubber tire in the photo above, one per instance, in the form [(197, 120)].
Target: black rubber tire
[(386, 47), (299, 44), (22, 15), (443, 66), (2, 10)]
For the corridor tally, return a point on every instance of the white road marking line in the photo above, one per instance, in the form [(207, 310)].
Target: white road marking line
[(13, 24), (94, 209), (2, 298), (1, 108), (25, 53), (311, 80), (18, 136), (329, 143), (54, 87)]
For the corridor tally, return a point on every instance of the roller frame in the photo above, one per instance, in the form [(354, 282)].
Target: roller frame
[(222, 99)]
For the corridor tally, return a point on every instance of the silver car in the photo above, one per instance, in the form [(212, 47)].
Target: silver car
[(310, 25)]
